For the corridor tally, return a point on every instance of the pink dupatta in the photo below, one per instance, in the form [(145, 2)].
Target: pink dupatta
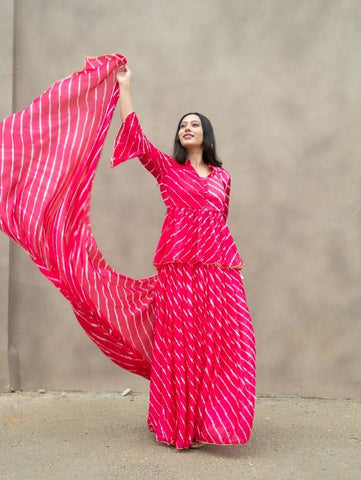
[(49, 154)]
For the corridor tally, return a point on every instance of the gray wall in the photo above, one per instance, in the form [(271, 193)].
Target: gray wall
[(6, 76), (281, 82)]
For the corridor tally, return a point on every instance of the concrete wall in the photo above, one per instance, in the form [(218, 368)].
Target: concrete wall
[(6, 77), (280, 81)]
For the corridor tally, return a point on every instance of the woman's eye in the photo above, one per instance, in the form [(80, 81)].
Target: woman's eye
[(193, 125)]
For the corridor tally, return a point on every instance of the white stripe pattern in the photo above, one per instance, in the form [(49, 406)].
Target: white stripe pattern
[(187, 328), (49, 154)]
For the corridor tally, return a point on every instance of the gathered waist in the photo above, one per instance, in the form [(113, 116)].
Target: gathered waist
[(193, 209)]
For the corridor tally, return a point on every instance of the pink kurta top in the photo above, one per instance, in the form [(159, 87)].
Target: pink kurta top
[(195, 228)]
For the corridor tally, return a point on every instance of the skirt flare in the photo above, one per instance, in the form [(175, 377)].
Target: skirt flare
[(202, 383)]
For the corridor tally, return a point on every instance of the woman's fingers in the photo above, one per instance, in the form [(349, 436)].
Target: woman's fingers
[(123, 74), (123, 68)]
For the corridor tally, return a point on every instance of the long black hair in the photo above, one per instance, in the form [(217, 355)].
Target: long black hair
[(209, 143)]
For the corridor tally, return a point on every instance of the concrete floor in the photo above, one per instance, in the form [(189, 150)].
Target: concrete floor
[(74, 435)]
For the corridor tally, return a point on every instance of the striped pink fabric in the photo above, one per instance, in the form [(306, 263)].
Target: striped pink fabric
[(187, 328), (195, 228), (49, 154), (202, 384)]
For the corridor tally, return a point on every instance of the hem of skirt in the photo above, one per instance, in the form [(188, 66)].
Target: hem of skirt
[(200, 441), (164, 441), (225, 444), (216, 264)]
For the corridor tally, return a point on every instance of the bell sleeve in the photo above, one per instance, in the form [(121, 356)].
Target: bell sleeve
[(131, 142)]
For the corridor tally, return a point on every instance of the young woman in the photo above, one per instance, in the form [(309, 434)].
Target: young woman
[(202, 382), (187, 328)]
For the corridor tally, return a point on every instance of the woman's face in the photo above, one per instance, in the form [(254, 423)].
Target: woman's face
[(191, 132)]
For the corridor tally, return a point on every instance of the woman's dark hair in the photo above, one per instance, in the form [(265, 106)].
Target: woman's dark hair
[(209, 143)]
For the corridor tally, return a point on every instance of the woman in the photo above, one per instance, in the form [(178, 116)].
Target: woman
[(187, 329), (202, 382)]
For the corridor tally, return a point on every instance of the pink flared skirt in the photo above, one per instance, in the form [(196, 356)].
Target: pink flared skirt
[(202, 384)]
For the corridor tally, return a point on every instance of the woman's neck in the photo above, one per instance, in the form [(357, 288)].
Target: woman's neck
[(195, 157)]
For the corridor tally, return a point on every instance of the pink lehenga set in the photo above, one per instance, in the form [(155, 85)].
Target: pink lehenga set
[(187, 328)]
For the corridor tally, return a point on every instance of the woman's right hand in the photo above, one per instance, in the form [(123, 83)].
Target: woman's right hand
[(123, 75)]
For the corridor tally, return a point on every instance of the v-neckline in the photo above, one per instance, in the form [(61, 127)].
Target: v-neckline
[(188, 162)]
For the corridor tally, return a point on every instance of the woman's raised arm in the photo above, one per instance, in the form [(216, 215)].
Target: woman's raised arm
[(123, 76), (131, 141)]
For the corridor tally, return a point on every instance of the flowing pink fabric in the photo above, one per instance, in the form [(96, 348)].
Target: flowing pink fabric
[(188, 328), (49, 154)]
